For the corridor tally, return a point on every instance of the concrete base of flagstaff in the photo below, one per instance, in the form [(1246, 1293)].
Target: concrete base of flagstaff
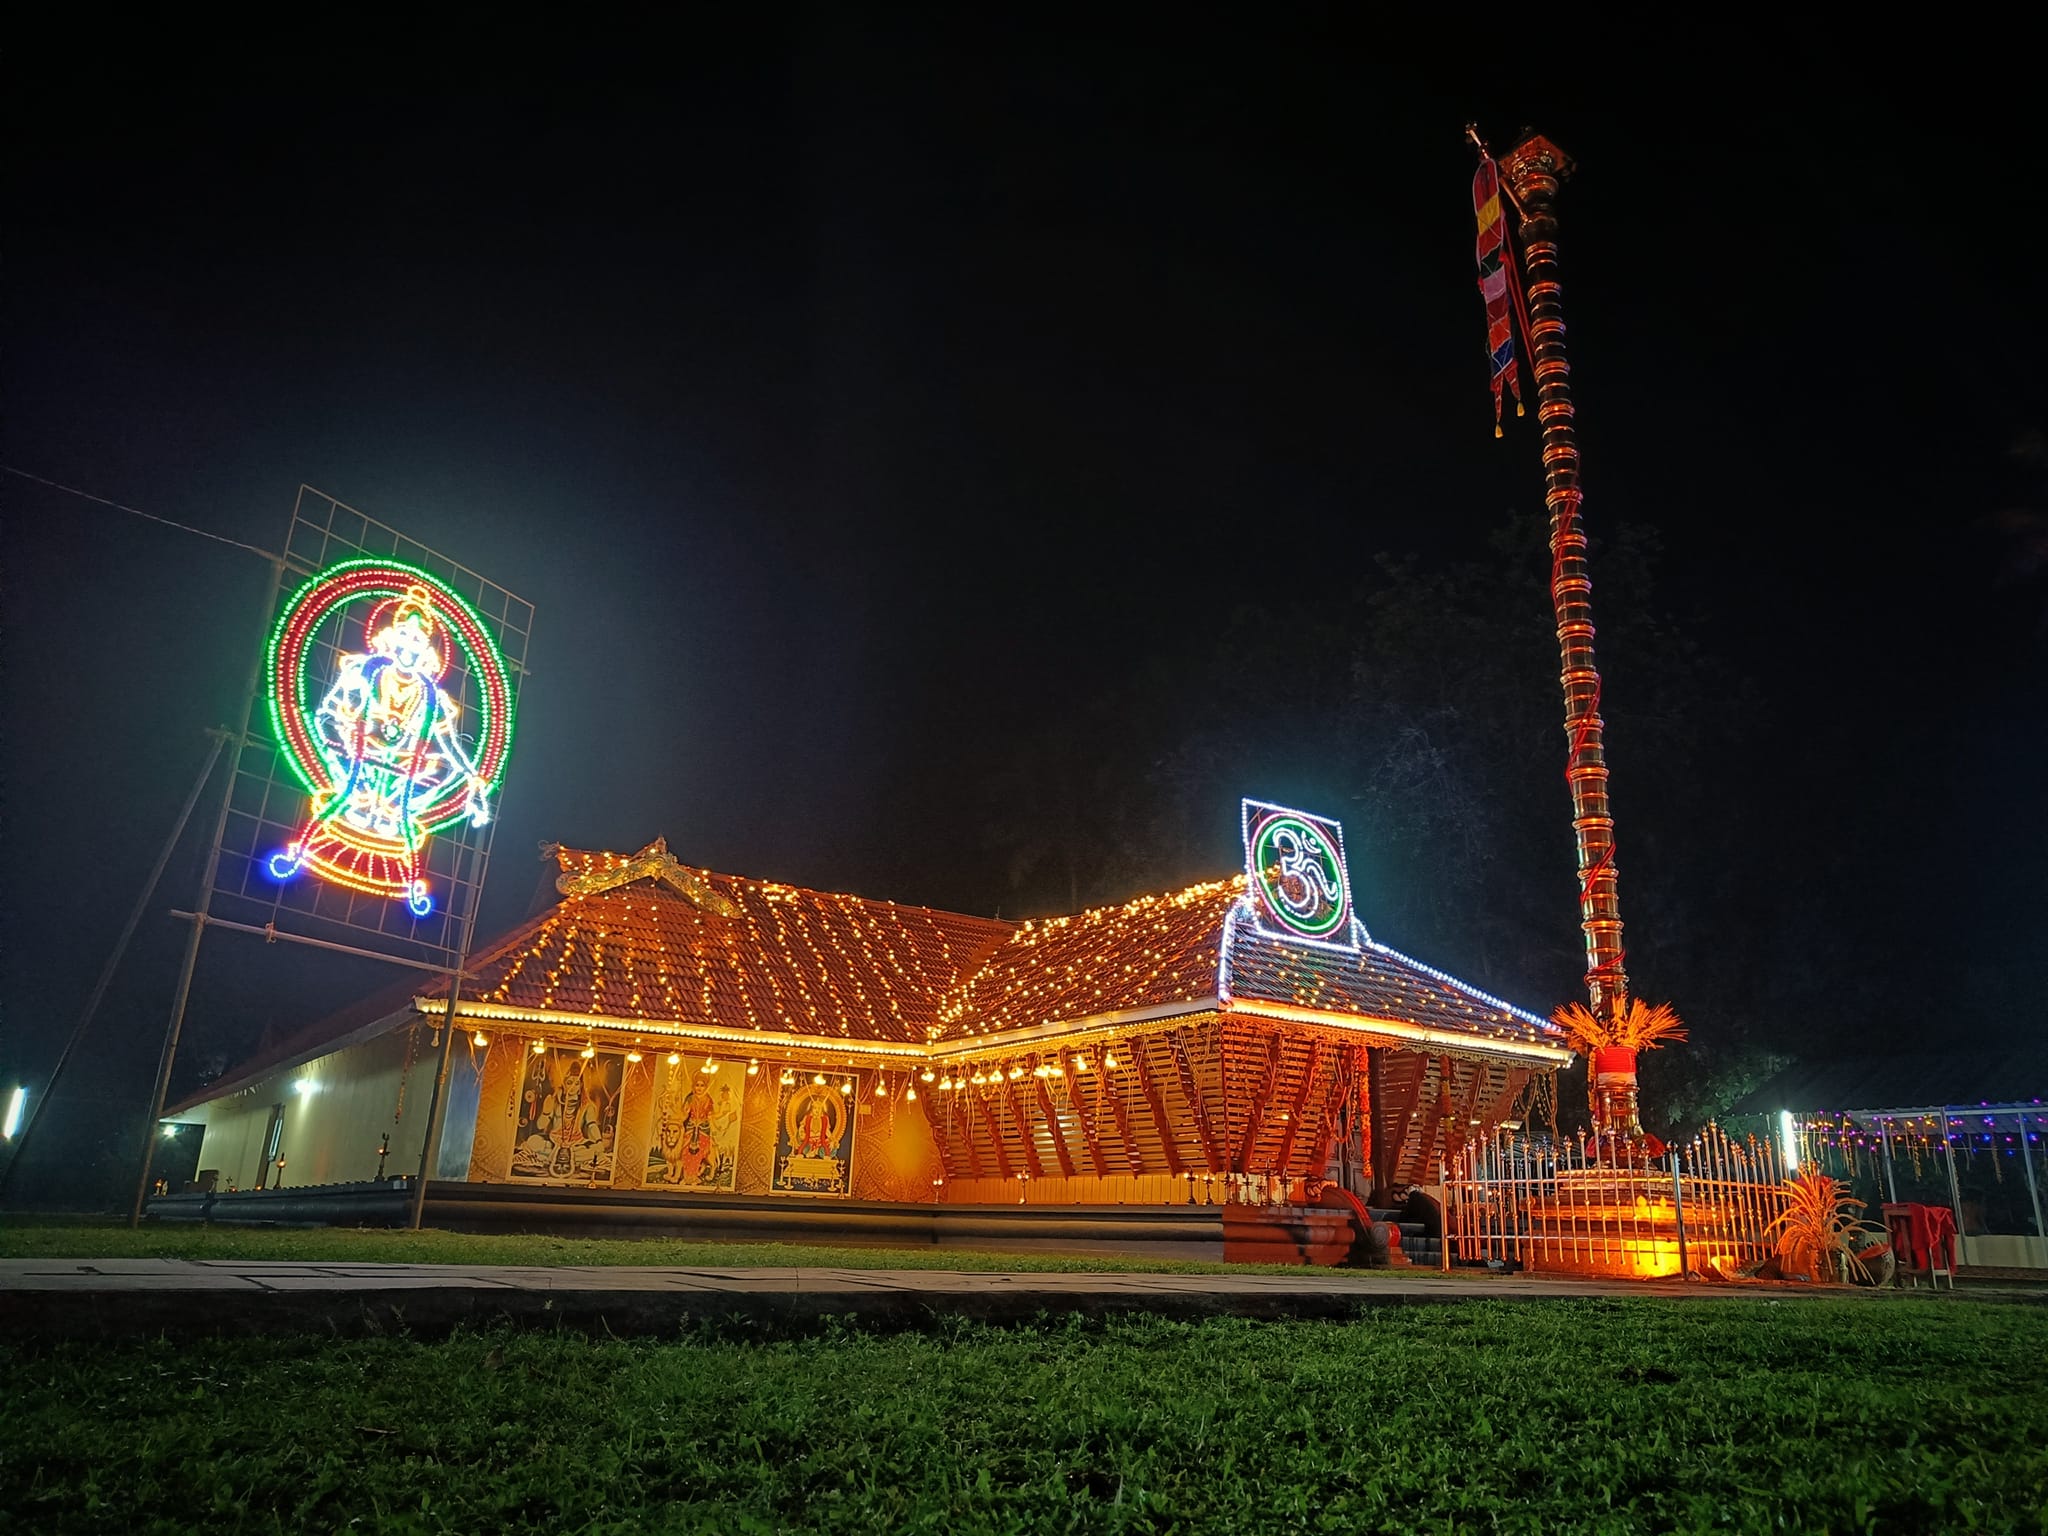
[(100, 1298), (1218, 1233)]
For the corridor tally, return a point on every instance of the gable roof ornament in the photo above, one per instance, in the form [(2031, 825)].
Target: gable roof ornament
[(654, 862)]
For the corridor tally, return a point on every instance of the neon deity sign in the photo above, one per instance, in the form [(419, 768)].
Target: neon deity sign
[(383, 753), (1294, 863)]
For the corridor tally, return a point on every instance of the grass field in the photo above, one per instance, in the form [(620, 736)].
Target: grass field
[(1878, 1415), (75, 1240)]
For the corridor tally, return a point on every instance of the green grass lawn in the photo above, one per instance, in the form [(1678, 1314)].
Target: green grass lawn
[(32, 1239), (1895, 1414)]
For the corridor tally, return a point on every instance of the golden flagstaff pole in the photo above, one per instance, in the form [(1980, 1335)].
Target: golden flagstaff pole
[(1613, 1029)]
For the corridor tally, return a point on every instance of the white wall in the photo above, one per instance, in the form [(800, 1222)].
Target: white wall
[(332, 1129)]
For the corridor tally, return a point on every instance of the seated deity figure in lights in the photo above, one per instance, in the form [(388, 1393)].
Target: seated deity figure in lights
[(387, 736)]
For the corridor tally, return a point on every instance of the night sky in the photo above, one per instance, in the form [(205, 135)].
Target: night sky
[(855, 401)]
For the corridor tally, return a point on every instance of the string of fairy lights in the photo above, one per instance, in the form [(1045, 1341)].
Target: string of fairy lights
[(1861, 1140)]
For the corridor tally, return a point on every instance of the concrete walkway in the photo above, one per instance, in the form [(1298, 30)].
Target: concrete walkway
[(99, 1297)]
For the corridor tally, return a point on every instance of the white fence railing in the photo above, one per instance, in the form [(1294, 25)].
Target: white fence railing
[(1704, 1208)]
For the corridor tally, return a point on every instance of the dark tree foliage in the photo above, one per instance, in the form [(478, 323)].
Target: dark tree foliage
[(1423, 709)]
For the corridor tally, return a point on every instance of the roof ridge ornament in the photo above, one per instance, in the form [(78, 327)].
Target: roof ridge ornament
[(654, 862)]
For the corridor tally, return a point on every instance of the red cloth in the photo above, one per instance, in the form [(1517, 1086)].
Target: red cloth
[(1613, 1061), (1928, 1231)]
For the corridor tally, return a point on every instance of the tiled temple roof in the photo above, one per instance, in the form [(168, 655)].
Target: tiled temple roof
[(687, 946), (1158, 951), (1146, 953), (1373, 982), (642, 938)]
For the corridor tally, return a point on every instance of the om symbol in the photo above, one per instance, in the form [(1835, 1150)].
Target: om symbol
[(1301, 874), (1302, 869)]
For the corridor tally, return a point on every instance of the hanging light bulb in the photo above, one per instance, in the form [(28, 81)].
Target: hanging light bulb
[(1080, 1063), (979, 1077), (479, 1038), (540, 1047), (818, 1081), (925, 1076), (753, 1068), (845, 1086), (1041, 1070), (910, 1093), (881, 1086), (632, 1055), (589, 1051), (709, 1066), (1109, 1060), (788, 1076), (675, 1058), (1015, 1071)]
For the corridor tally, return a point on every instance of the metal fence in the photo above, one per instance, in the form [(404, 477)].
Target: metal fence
[(1704, 1208)]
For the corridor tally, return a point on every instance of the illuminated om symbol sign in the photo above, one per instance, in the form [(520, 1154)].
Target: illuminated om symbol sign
[(1302, 868), (1300, 871)]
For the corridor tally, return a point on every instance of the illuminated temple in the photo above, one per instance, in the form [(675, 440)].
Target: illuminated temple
[(668, 1043)]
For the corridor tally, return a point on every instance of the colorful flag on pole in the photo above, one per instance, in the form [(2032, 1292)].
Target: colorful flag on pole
[(1494, 276)]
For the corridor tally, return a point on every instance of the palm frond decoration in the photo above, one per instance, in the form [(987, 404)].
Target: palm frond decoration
[(1639, 1026), (1816, 1228)]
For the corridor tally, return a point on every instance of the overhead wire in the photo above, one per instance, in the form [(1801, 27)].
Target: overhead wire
[(71, 490)]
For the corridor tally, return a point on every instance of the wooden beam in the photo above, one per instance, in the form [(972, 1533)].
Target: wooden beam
[(1123, 1125), (1516, 1079), (948, 1143), (1342, 1080), (1296, 1109), (1160, 1124), (1400, 1078), (1024, 1136), (1432, 1121), (995, 1134), (1459, 1131), (1078, 1101), (1191, 1090), (1262, 1097), (1052, 1124)]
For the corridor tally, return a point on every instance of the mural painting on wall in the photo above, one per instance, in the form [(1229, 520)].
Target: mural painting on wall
[(814, 1136), (697, 1111), (568, 1117)]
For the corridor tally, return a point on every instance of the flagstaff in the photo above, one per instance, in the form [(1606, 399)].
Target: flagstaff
[(1610, 1029)]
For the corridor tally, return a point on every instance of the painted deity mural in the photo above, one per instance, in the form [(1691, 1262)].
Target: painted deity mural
[(814, 1132), (697, 1113), (568, 1113)]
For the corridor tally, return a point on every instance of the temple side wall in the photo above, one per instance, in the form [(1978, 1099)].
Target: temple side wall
[(333, 1129)]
